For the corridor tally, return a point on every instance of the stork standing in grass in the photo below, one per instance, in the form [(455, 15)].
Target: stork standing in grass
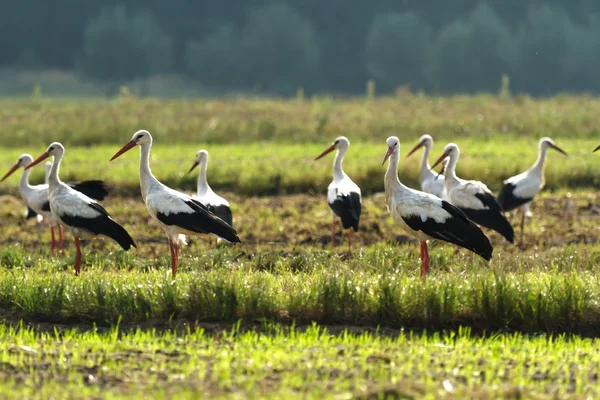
[(73, 209), (177, 213), (431, 182), (205, 195), (343, 195), (473, 197), (36, 196), (425, 216), (519, 190)]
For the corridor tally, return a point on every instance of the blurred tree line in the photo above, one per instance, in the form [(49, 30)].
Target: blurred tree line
[(333, 45)]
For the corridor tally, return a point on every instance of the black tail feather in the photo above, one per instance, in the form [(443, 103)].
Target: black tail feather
[(94, 189), (491, 219)]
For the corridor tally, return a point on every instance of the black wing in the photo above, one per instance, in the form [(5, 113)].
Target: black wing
[(457, 229), (508, 200), (46, 206), (348, 208), (222, 211), (200, 220), (94, 189), (492, 219), (101, 225), (30, 213), (489, 201)]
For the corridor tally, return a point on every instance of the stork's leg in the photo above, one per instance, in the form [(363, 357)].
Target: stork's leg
[(522, 225), (424, 259), (333, 231), (39, 232), (350, 240), (60, 237), (53, 243), (176, 247), (77, 256), (173, 258)]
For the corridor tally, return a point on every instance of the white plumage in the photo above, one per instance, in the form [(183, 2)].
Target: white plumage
[(343, 195), (177, 213), (426, 216), (519, 190), (474, 198), (431, 182)]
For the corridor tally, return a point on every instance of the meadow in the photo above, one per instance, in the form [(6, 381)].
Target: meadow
[(283, 313)]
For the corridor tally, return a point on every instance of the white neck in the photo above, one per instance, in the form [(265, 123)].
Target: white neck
[(202, 182), (425, 169), (146, 177), (391, 181), (338, 173), (24, 182), (53, 179), (538, 166), (450, 177)]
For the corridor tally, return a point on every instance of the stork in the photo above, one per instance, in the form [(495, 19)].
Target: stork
[(430, 181), (36, 196), (343, 195), (519, 190), (84, 217), (473, 197), (425, 216), (176, 212), (205, 195)]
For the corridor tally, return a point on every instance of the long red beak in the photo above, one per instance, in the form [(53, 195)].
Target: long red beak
[(128, 146), (417, 147), (439, 160), (387, 155), (9, 173), (596, 149), (38, 160), (327, 150), (194, 165), (555, 147)]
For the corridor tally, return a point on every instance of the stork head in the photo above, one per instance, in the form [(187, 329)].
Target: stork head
[(23, 161), (546, 142), (425, 140), (393, 144), (139, 138), (450, 151), (55, 150), (201, 159), (340, 143)]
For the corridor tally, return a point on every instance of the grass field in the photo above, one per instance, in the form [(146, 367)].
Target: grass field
[(463, 333)]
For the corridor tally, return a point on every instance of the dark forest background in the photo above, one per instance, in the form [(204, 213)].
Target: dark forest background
[(336, 46)]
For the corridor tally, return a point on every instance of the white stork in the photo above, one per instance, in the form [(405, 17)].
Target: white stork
[(473, 197), (426, 216), (519, 190), (36, 196), (430, 181), (205, 195), (176, 212), (343, 195), (83, 216)]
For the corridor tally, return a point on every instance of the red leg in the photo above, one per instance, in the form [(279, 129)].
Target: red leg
[(176, 246), (60, 237), (173, 259), (424, 259), (77, 257), (53, 245), (332, 232)]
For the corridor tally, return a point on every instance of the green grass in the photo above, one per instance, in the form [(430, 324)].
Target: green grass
[(275, 362), (270, 168)]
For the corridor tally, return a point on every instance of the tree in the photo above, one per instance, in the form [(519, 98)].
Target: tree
[(472, 54), (396, 50), (581, 63), (214, 60), (279, 50), (118, 47)]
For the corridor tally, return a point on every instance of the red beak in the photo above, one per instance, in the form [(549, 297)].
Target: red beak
[(194, 165), (38, 160), (128, 146), (327, 150), (9, 173), (439, 160), (387, 155), (417, 147), (555, 147)]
